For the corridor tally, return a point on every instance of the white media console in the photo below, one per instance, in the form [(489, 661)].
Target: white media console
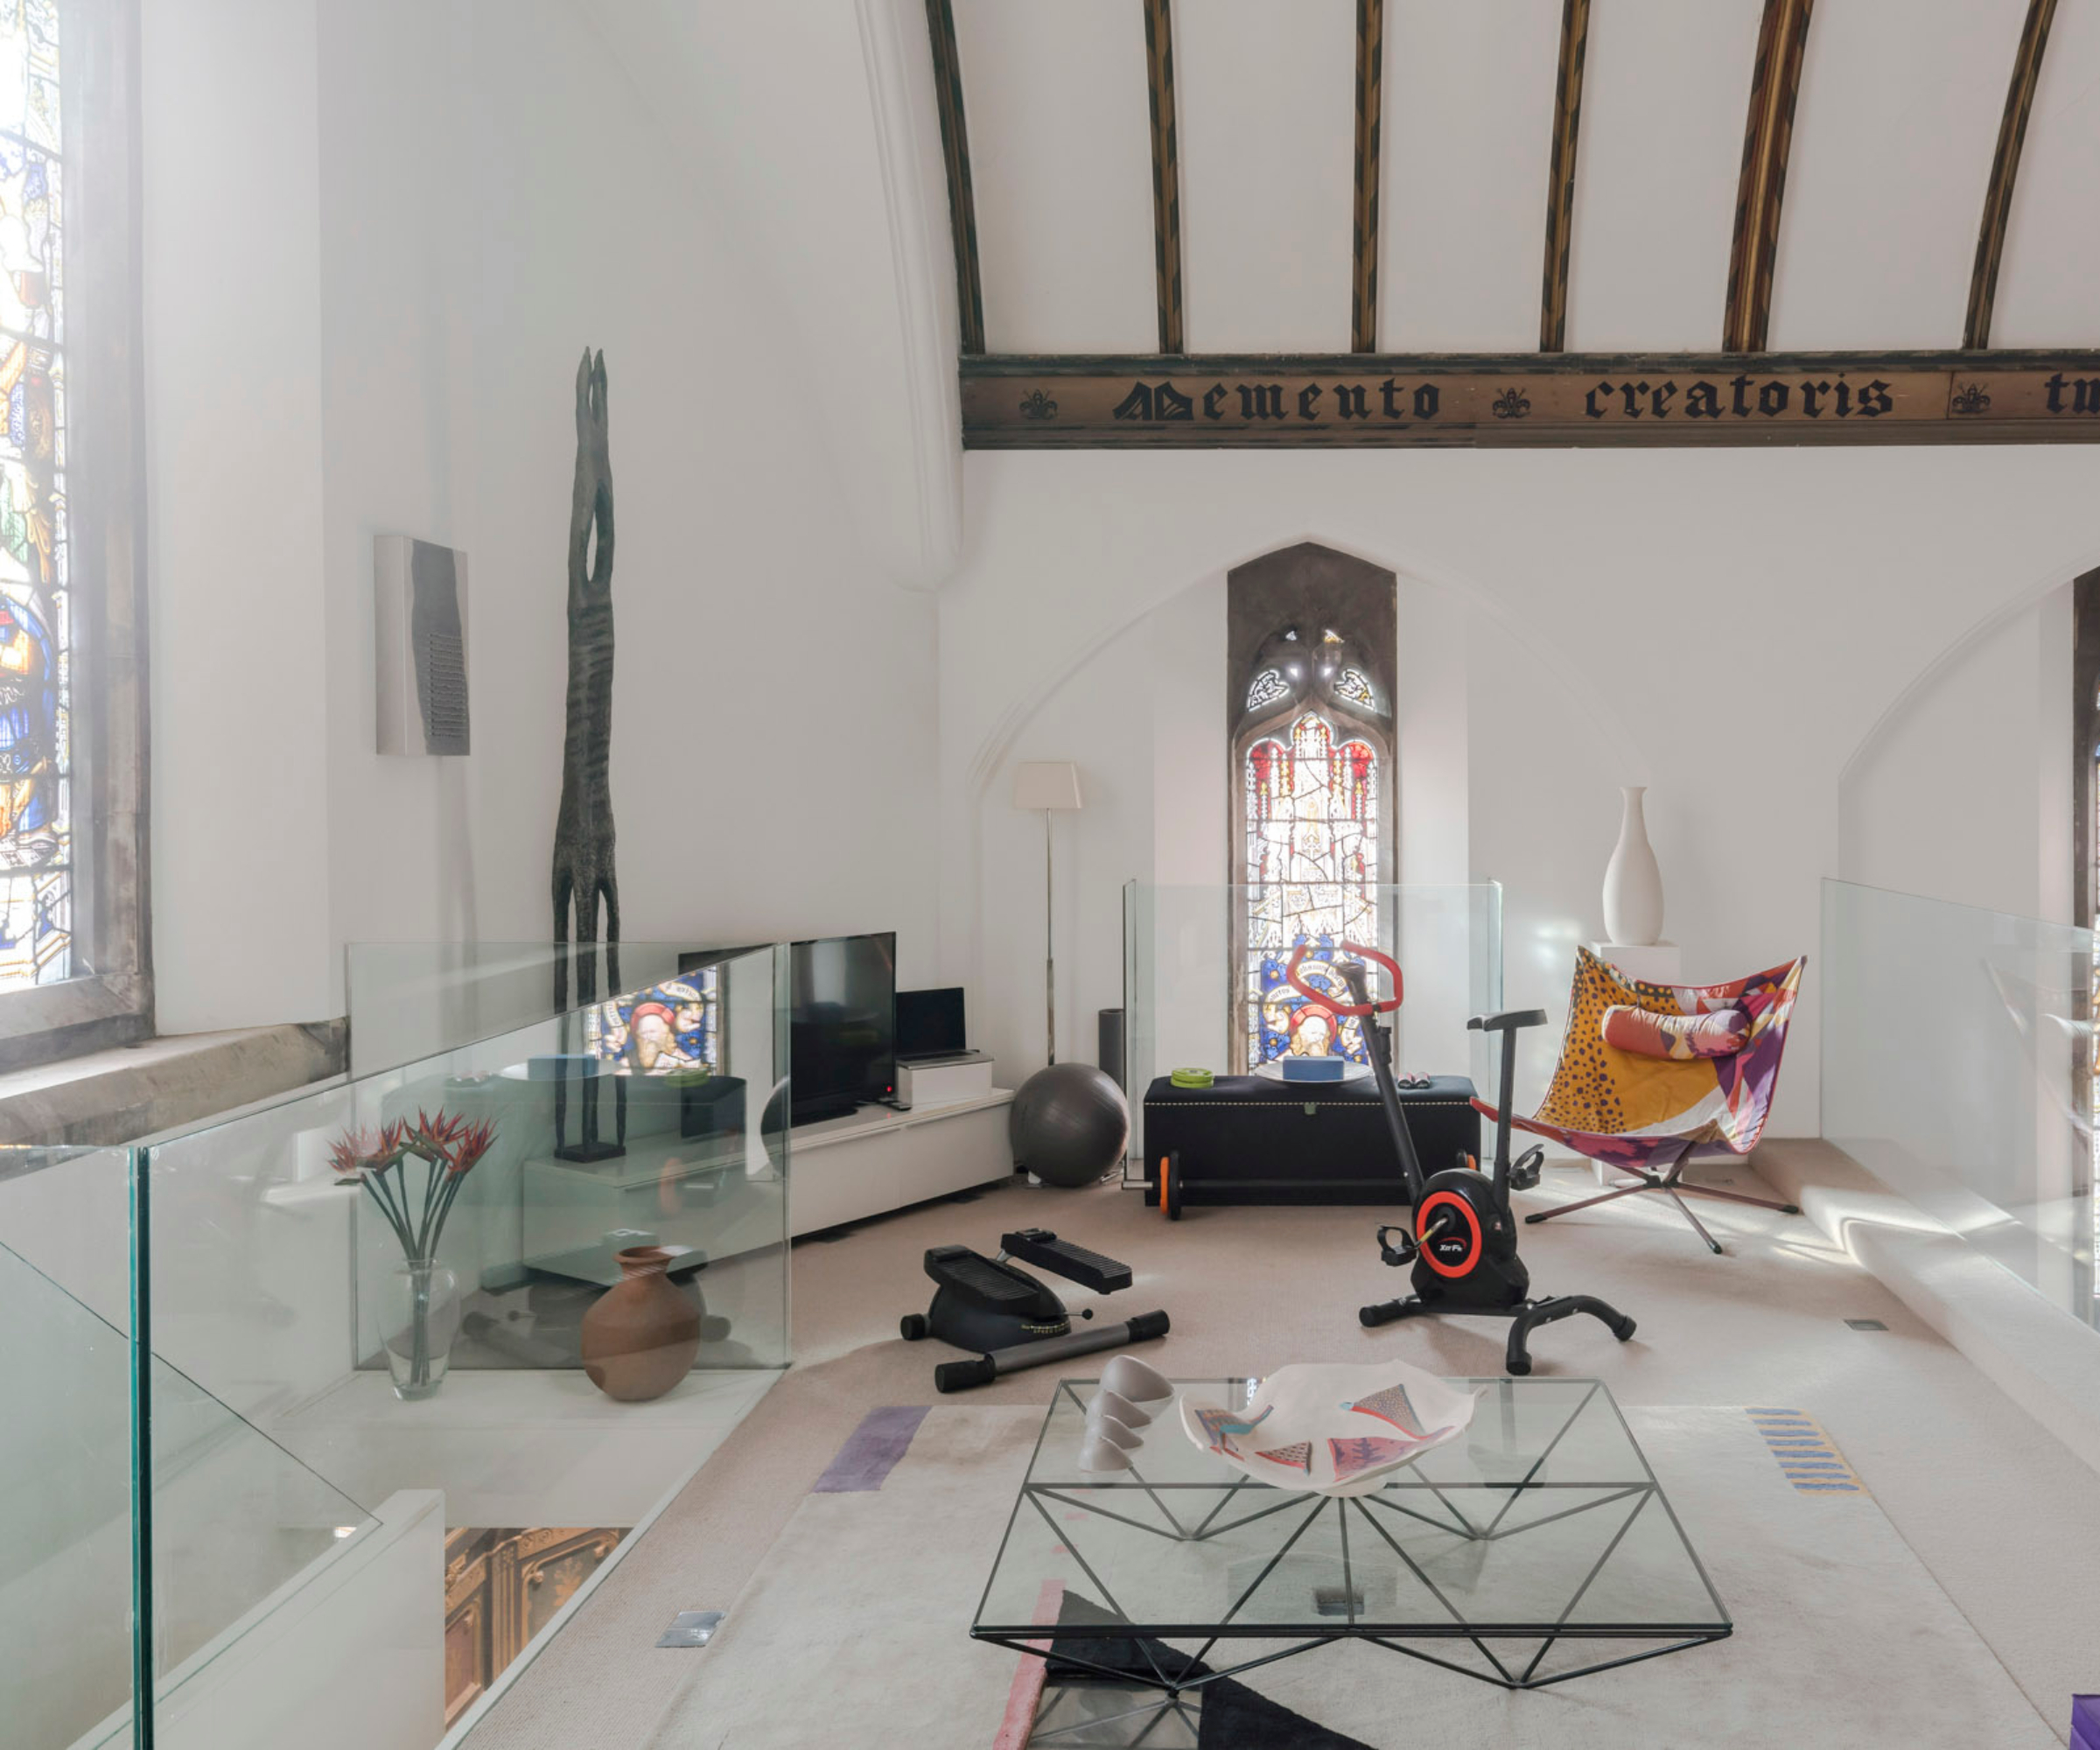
[(845, 1169)]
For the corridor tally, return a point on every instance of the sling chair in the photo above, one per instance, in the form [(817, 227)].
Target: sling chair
[(1652, 1110)]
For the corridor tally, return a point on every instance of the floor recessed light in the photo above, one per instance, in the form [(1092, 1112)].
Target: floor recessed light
[(691, 1628)]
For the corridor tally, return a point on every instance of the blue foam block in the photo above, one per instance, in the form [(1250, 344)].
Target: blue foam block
[(1313, 1068)]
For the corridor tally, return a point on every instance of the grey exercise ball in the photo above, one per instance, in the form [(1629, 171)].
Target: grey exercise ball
[(1068, 1124)]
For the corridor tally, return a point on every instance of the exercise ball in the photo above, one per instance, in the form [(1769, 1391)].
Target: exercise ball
[(1068, 1124)]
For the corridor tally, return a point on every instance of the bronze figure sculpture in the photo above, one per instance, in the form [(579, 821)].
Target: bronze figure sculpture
[(583, 828)]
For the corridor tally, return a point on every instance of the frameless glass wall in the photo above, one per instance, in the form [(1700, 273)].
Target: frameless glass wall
[(346, 1399), (66, 1524), (408, 1000), (1958, 1065), (1204, 983)]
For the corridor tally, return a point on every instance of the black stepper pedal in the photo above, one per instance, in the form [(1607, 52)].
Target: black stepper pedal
[(1040, 1247), (983, 1281)]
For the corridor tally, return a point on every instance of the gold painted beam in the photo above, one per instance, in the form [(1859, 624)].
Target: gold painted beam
[(955, 150), (1768, 134), (2005, 166), (1166, 173), (1370, 72), (1509, 400), (1560, 176)]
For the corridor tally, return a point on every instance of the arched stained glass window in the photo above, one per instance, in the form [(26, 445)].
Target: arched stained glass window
[(36, 754), (1312, 755)]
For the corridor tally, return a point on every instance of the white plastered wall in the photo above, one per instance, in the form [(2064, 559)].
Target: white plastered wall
[(375, 325), (1724, 627)]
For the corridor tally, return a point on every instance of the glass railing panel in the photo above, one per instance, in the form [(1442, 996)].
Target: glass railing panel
[(409, 1001), (66, 1524), (508, 1297), (1958, 1064), (1198, 995)]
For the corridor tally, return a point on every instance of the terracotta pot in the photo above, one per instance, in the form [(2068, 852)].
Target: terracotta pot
[(640, 1335)]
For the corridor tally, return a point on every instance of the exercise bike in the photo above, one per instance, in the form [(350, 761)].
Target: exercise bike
[(1012, 1319), (1462, 1239)]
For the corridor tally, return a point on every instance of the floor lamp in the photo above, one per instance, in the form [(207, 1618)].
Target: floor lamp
[(1050, 785)]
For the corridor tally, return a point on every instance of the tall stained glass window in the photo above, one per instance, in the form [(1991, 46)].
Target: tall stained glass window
[(36, 633), (1313, 753)]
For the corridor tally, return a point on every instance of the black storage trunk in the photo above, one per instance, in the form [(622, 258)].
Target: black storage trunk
[(1251, 1139)]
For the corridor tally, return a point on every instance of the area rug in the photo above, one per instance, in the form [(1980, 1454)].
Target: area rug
[(854, 1630)]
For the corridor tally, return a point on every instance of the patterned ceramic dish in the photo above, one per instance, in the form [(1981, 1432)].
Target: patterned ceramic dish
[(1334, 1428)]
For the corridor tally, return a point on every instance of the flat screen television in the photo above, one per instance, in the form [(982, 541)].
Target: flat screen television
[(841, 1027)]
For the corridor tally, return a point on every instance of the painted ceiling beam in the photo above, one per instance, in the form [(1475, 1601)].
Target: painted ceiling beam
[(955, 150), (1356, 399), (1166, 171), (1364, 276), (2005, 166), (1768, 134), (1560, 176)]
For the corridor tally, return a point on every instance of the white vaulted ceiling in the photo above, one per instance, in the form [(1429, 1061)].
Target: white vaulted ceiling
[(1462, 184), (1898, 114), (2048, 288), (1060, 152)]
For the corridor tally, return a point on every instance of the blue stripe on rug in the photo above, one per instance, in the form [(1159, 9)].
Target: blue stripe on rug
[(871, 1450), (1807, 1458)]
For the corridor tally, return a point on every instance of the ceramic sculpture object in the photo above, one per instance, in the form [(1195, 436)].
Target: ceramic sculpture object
[(642, 1334), (1336, 1428), (1633, 880), (1136, 1382)]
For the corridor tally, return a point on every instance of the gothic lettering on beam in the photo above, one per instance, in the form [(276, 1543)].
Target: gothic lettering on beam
[(1567, 400)]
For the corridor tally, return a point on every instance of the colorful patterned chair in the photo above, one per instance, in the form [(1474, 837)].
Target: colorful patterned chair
[(1650, 1116)]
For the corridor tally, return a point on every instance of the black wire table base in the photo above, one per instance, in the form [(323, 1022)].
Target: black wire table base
[(1174, 1675)]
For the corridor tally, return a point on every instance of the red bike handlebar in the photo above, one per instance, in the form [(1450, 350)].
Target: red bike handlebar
[(1322, 996)]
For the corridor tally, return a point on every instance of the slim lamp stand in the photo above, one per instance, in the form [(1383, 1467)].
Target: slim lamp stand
[(1049, 949), (1049, 785)]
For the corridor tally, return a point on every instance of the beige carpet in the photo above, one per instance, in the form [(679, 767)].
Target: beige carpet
[(1998, 1511), (849, 1635)]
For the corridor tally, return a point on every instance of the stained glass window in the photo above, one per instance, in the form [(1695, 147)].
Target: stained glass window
[(677, 1024), (1355, 686), (1311, 809), (1313, 753), (36, 752), (1267, 689)]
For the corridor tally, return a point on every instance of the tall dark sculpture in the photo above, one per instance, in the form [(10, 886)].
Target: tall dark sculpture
[(583, 828)]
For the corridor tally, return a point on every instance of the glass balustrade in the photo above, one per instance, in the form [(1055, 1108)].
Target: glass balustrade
[(1205, 987), (1958, 1066), (346, 1400)]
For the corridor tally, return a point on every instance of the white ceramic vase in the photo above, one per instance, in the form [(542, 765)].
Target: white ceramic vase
[(1633, 883)]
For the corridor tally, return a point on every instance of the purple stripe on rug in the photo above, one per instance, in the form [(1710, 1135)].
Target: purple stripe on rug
[(873, 1450)]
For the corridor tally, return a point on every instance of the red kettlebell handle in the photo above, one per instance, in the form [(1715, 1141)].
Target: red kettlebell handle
[(1321, 996)]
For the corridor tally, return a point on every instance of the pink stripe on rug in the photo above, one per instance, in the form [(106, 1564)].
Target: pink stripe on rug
[(1026, 1695)]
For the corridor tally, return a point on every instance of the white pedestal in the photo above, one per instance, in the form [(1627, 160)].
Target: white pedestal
[(945, 1083), (1654, 962)]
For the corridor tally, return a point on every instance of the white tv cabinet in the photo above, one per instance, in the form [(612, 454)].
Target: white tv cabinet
[(845, 1169)]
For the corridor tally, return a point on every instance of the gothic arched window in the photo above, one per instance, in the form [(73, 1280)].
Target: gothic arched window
[(1312, 755)]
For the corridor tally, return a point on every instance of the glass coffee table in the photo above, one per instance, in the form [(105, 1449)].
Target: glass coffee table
[(1535, 1548)]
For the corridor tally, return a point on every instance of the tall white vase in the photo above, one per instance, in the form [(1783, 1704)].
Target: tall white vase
[(1633, 883)]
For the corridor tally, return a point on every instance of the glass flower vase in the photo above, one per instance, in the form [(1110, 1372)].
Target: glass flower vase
[(420, 1315)]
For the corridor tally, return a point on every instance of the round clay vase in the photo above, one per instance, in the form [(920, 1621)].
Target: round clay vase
[(1633, 882), (640, 1335)]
